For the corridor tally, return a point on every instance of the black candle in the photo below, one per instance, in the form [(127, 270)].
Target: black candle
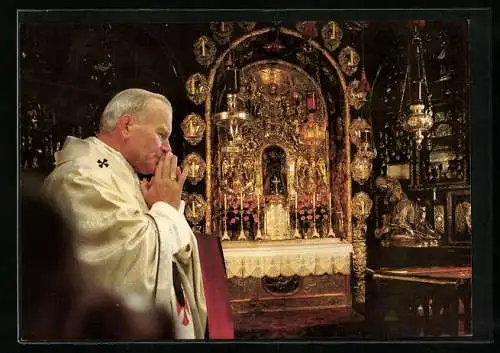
[(232, 80)]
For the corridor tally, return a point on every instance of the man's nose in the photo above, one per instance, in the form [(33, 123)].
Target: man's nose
[(165, 147)]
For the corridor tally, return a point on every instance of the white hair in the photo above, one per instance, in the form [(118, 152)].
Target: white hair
[(131, 101)]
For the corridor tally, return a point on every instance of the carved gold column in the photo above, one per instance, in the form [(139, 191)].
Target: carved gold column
[(361, 209)]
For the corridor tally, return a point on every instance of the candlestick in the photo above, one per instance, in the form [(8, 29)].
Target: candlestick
[(225, 236), (352, 57), (258, 236), (315, 233), (333, 34), (331, 233), (242, 232), (296, 234), (202, 47)]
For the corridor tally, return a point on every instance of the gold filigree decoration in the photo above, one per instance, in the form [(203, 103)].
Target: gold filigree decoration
[(443, 130), (349, 60), (359, 260), (439, 218), (193, 128), (196, 87), (247, 26), (222, 31), (204, 50), (357, 97), (195, 166), (332, 35), (439, 117), (361, 169), (361, 205), (463, 219), (358, 126), (301, 25), (195, 208)]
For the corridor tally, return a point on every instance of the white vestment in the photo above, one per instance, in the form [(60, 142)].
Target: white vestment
[(124, 245)]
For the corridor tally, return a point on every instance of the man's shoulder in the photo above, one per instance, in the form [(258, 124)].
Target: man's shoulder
[(84, 166)]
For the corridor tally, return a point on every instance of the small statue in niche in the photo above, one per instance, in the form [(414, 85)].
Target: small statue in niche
[(274, 168), (405, 225)]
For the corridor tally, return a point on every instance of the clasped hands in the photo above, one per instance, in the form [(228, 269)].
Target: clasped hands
[(166, 184)]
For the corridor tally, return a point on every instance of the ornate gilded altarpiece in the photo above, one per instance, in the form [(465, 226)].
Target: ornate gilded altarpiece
[(283, 175)]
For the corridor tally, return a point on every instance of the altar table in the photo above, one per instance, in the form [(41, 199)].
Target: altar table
[(286, 275)]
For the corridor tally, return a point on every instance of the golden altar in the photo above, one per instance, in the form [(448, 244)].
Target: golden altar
[(277, 169)]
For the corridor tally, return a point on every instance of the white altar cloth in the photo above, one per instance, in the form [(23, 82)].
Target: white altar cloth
[(287, 257)]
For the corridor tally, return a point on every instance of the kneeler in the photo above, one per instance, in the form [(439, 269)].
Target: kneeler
[(220, 318)]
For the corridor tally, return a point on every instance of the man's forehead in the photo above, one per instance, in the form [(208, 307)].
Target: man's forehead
[(160, 112)]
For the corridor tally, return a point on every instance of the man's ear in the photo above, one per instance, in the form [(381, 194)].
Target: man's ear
[(124, 124)]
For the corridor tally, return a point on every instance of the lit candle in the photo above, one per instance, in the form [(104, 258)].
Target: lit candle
[(222, 26), (241, 201), (202, 47), (192, 86), (434, 197), (225, 202), (295, 201), (419, 90), (333, 34), (258, 203), (314, 202), (330, 202)]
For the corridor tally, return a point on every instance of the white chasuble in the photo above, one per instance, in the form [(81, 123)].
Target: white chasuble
[(123, 245)]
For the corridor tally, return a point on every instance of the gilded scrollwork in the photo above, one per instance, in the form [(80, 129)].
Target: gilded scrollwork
[(349, 60), (463, 219), (276, 91), (358, 126), (204, 50), (193, 128), (359, 257), (301, 25), (361, 169), (439, 220), (195, 208), (247, 26), (332, 35), (357, 97), (195, 166), (222, 31), (196, 87), (361, 205)]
